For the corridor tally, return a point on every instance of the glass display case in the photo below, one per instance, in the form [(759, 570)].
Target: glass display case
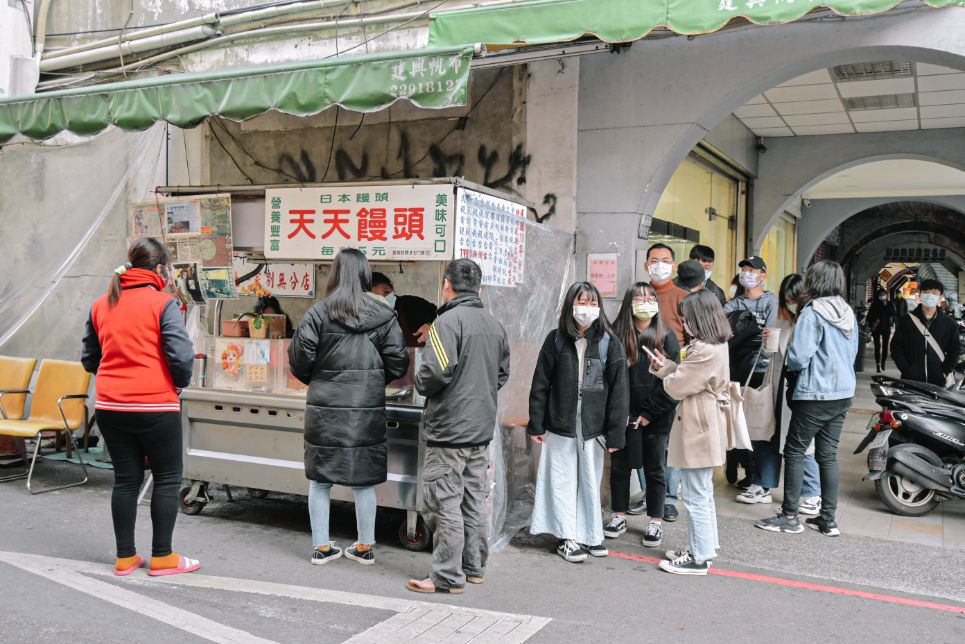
[(261, 366)]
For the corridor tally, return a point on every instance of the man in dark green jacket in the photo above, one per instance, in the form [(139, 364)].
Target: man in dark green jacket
[(464, 364)]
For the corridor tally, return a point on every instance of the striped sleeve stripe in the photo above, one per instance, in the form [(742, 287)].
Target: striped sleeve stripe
[(437, 345)]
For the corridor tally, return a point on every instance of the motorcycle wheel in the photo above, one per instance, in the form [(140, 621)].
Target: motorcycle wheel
[(904, 497)]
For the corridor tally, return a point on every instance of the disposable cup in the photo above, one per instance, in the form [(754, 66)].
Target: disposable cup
[(773, 342)]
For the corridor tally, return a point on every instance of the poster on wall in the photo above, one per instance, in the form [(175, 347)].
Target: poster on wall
[(195, 229), (187, 284), (218, 284), (601, 272), (405, 223), (491, 232), (278, 279)]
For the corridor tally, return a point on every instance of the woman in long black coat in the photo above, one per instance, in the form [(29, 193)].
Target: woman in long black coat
[(346, 349)]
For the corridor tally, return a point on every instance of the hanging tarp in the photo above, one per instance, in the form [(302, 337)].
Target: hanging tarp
[(620, 21), (432, 79)]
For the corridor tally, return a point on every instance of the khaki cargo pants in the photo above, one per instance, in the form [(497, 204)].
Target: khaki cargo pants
[(455, 490)]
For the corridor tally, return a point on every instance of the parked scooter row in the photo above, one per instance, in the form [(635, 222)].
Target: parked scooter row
[(916, 444)]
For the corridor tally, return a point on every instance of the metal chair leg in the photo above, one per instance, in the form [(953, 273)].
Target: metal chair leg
[(19, 475), (33, 461)]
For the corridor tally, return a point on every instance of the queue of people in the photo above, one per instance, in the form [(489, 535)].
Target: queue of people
[(654, 390)]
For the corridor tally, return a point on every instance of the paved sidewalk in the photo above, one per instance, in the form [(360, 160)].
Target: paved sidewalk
[(860, 512)]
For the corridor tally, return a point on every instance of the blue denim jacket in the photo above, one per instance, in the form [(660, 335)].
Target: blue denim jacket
[(824, 357)]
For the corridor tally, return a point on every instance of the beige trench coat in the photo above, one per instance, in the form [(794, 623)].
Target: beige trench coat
[(701, 383)]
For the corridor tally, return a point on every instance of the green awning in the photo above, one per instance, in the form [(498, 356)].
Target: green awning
[(435, 78), (618, 21)]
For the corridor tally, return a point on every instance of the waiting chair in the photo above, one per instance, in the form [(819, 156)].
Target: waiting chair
[(15, 374), (57, 405)]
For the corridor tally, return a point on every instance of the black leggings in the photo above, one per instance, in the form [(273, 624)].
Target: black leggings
[(654, 471), (131, 437)]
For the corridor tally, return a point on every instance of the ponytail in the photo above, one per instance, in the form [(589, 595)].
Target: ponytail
[(147, 253)]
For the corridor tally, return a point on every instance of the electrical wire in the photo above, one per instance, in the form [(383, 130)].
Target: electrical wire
[(230, 156)]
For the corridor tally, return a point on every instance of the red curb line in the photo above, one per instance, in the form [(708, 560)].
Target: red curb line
[(822, 588)]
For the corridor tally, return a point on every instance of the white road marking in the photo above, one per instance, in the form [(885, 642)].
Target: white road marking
[(426, 621), (181, 619)]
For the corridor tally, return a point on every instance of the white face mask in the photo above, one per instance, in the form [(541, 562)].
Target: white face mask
[(660, 271), (645, 310), (584, 316), (749, 280), (708, 275), (930, 300), (911, 303), (391, 298), (732, 290), (792, 308)]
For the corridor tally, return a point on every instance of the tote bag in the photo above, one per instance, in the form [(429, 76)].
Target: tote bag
[(738, 436), (759, 405)]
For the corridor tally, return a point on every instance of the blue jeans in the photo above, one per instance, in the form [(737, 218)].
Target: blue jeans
[(643, 481), (673, 485), (319, 504), (701, 510), (812, 477), (768, 461)]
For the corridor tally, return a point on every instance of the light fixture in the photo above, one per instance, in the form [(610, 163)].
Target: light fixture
[(874, 70), (888, 101)]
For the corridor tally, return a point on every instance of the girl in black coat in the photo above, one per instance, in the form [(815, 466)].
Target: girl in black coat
[(638, 325), (577, 410), (347, 348)]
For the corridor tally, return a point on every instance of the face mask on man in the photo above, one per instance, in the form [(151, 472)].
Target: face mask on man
[(930, 300), (748, 280), (584, 316), (391, 298), (883, 297), (660, 271), (911, 303), (645, 310)]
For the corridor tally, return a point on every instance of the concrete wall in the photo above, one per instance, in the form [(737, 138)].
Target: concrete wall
[(644, 109)]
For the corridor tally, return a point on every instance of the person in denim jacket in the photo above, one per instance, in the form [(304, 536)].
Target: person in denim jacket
[(822, 355)]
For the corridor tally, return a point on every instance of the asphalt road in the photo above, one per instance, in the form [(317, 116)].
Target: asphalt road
[(257, 583)]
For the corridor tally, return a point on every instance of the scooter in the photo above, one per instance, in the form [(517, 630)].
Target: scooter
[(916, 446)]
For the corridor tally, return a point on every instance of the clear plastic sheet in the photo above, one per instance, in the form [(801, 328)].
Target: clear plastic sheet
[(528, 312), (63, 222)]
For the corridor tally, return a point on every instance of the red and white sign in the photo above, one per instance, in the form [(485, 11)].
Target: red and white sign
[(412, 223), (601, 271), (282, 280)]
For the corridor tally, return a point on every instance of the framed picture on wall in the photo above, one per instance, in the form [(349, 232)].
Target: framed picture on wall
[(601, 272)]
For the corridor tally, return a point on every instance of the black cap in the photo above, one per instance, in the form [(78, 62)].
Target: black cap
[(690, 274), (754, 262)]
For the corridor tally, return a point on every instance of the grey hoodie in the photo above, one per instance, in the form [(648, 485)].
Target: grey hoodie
[(836, 312)]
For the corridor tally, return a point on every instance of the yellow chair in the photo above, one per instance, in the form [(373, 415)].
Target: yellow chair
[(57, 405), (15, 376)]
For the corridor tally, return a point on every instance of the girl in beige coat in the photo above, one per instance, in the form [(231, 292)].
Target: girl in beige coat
[(698, 439)]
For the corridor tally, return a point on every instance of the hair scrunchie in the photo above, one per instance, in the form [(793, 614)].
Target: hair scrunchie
[(120, 270)]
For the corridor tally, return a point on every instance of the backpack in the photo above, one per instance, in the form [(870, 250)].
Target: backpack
[(604, 346), (744, 344)]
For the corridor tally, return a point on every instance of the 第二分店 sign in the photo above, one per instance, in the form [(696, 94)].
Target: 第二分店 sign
[(407, 222)]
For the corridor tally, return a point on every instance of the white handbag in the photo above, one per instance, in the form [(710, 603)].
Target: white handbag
[(759, 404), (738, 436)]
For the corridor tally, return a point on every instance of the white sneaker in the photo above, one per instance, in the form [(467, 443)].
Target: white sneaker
[(811, 506), (755, 494)]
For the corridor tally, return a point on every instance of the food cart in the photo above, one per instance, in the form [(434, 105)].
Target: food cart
[(243, 420)]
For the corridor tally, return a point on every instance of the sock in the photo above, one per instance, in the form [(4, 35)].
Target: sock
[(324, 548), (361, 547), (167, 561), (123, 563)]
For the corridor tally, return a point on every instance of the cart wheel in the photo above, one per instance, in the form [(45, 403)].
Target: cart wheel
[(192, 508), (422, 539), (255, 493)]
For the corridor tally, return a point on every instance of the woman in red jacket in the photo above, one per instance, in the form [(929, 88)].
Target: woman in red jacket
[(136, 343)]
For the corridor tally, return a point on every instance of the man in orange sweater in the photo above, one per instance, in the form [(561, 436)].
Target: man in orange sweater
[(660, 265)]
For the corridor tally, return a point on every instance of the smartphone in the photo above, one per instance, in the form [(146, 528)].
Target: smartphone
[(653, 356)]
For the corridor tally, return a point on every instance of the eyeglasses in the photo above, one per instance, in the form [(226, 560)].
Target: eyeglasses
[(644, 300)]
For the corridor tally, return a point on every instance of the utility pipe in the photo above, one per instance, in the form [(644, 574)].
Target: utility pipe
[(128, 48), (40, 28), (207, 19)]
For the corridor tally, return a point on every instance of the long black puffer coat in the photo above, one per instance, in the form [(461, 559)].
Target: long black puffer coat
[(346, 367)]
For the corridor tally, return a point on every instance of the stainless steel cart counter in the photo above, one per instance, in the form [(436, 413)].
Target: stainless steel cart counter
[(255, 441)]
